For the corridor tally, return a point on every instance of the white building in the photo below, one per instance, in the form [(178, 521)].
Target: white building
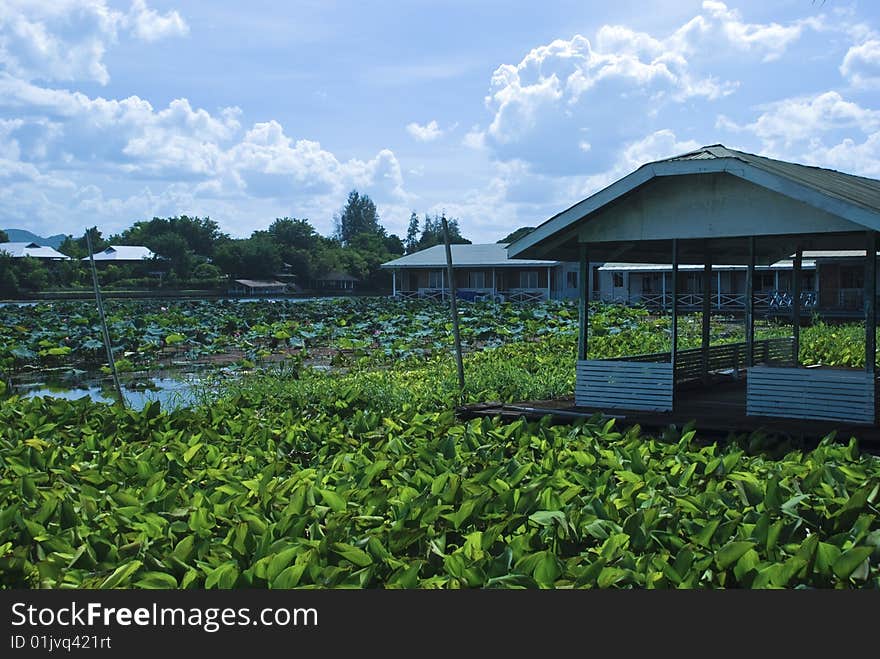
[(20, 250)]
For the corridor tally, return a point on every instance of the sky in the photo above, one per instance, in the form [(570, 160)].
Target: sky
[(498, 113)]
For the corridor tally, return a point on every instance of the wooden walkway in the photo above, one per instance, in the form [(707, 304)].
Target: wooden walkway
[(716, 411)]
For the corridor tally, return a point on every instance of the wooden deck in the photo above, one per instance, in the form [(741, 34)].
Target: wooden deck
[(716, 411)]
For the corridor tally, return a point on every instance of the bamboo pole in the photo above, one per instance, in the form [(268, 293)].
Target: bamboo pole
[(110, 362), (454, 308)]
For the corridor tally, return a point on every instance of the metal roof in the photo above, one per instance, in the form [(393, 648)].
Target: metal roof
[(854, 199), (847, 187), (123, 253), (465, 256), (20, 250), (260, 283), (806, 264)]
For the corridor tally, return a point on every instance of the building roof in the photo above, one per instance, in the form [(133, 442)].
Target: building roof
[(123, 253), (806, 264), (260, 283), (854, 199), (465, 256), (20, 250), (848, 187), (337, 276)]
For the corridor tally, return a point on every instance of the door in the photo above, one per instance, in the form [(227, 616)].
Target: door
[(619, 288)]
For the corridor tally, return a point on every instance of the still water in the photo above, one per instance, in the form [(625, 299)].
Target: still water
[(171, 391)]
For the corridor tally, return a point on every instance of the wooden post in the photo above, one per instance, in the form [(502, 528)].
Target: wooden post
[(548, 282), (707, 313), (796, 304), (871, 302), (673, 351), (106, 333), (750, 305), (583, 304), (456, 336), (718, 289), (663, 291), (394, 283)]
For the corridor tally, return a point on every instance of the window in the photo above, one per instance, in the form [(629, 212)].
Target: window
[(852, 276), (571, 279), (528, 279), (435, 279), (476, 280), (764, 281), (808, 281), (617, 279)]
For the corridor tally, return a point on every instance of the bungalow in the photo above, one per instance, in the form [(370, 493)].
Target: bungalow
[(721, 206), (257, 287), (123, 254), (21, 250), (482, 270), (336, 281)]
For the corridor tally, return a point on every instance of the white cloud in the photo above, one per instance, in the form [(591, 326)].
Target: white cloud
[(475, 139), (65, 40), (769, 39), (655, 146), (622, 78), (787, 122), (861, 65), (427, 133), (825, 130), (149, 25)]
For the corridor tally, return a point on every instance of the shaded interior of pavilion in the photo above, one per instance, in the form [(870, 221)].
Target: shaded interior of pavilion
[(755, 379)]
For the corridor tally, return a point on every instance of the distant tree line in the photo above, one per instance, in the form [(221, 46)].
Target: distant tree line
[(192, 252)]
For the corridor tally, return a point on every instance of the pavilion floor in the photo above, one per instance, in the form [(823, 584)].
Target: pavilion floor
[(716, 410)]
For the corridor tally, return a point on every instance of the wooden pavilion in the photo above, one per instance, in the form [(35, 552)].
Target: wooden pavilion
[(718, 205)]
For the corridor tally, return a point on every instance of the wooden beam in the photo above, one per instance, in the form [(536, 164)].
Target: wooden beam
[(707, 311), (750, 305), (871, 302), (796, 304), (673, 349), (583, 303)]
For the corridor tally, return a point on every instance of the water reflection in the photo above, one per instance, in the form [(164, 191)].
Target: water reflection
[(171, 390)]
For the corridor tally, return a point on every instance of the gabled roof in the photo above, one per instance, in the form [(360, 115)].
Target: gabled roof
[(464, 256), (853, 198), (20, 250), (123, 253), (260, 283), (848, 187)]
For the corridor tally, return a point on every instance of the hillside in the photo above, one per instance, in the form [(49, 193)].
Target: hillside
[(25, 236)]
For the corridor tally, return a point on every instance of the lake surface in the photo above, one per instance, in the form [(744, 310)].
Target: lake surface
[(170, 390)]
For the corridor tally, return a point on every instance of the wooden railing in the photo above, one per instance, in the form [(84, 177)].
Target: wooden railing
[(722, 357)]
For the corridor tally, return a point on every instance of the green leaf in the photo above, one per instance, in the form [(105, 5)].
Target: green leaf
[(731, 552), (336, 502), (121, 575), (850, 560), (223, 577), (156, 580), (357, 556)]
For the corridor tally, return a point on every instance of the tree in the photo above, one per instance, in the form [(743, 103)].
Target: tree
[(78, 248), (516, 235), (201, 235), (292, 232), (256, 258), (358, 216), (432, 232), (412, 234), (4, 237)]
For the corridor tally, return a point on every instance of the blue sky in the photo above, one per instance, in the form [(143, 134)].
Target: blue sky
[(499, 113)]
